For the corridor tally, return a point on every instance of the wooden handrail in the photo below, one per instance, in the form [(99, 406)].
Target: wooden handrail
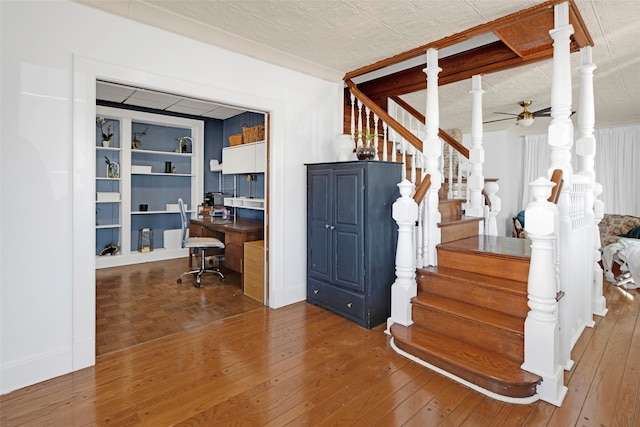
[(555, 191), (390, 121), (422, 189), (441, 133)]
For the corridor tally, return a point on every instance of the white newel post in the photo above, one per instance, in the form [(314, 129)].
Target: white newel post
[(432, 150), (560, 140), (586, 152), (541, 335), (405, 287), (491, 227), (475, 181)]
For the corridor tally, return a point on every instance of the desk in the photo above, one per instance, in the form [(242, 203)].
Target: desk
[(233, 234)]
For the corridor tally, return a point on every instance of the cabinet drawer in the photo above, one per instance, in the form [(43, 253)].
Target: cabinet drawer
[(254, 286), (341, 301), (253, 258)]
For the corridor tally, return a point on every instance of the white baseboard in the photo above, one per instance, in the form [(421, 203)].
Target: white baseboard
[(14, 376)]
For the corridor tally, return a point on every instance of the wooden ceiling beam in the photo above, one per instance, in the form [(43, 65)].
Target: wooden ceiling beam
[(525, 33), (483, 60)]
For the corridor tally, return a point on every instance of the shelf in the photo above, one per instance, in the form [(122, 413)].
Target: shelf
[(156, 212), (105, 178), (162, 174), (163, 153), (244, 202), (108, 226), (101, 148)]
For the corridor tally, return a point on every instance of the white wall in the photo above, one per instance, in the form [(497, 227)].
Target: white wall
[(503, 160), (51, 54)]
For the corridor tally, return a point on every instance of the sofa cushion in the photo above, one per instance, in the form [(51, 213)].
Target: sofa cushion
[(613, 225)]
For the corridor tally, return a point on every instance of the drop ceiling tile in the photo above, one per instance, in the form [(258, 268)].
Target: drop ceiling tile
[(222, 113)]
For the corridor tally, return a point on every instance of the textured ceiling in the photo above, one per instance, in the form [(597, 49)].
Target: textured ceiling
[(329, 38)]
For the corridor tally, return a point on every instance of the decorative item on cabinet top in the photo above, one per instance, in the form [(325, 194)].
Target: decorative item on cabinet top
[(252, 134)]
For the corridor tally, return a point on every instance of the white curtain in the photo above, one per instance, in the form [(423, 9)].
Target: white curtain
[(535, 159), (617, 166)]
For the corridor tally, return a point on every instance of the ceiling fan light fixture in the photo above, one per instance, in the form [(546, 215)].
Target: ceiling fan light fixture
[(526, 117), (525, 120)]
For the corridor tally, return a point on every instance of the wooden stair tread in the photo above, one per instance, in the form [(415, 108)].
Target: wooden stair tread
[(498, 283), (497, 246), (475, 313), (482, 367), (450, 221)]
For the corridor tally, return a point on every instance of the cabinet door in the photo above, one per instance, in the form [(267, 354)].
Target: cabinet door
[(347, 237), (319, 218)]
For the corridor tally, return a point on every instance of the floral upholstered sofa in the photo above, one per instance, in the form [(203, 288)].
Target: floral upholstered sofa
[(613, 226)]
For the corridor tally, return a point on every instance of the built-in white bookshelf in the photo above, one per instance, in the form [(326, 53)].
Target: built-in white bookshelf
[(160, 160)]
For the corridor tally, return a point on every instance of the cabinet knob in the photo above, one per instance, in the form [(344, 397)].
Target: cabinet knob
[(327, 226), (333, 227), (349, 305), (315, 291)]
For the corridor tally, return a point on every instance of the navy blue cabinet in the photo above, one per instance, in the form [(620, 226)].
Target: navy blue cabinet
[(352, 238)]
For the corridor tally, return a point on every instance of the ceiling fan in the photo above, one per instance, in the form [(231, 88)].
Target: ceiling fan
[(526, 117)]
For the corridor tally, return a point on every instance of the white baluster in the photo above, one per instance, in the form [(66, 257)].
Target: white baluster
[(358, 135), (450, 174), (458, 192), (419, 236), (375, 133), (404, 144), (386, 141), (353, 118)]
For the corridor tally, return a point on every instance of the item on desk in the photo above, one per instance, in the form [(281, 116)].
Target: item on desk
[(219, 213), (213, 199)]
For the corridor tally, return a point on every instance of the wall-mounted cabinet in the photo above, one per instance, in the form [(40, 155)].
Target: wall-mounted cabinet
[(245, 158), (159, 160)]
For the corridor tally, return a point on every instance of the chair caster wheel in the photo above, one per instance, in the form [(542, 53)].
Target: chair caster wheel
[(197, 285), (179, 281)]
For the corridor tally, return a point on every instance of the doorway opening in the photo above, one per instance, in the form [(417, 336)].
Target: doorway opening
[(137, 298)]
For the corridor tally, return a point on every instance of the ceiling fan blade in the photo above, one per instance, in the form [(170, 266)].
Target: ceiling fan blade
[(545, 112), (510, 114), (499, 120)]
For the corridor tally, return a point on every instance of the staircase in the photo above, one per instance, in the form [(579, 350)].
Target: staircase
[(470, 309)]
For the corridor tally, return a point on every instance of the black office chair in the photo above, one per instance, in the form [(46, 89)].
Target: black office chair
[(200, 244)]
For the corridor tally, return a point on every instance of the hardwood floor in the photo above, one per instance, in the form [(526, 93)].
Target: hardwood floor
[(301, 365), (143, 302)]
